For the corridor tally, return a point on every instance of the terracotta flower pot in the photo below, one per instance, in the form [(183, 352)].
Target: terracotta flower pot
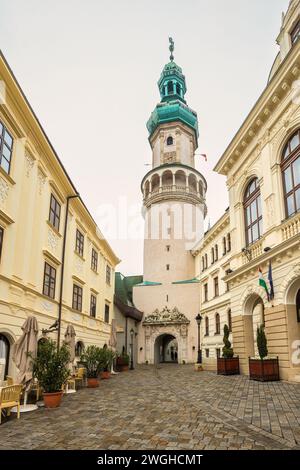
[(52, 400), (105, 374), (92, 383)]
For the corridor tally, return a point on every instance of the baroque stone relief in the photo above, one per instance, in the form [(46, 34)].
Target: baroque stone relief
[(42, 180), (29, 162), (52, 241), (4, 188), (166, 316)]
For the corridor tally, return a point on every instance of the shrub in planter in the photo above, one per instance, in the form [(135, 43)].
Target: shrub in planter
[(123, 362), (93, 360), (263, 369), (228, 364), (108, 358), (51, 369)]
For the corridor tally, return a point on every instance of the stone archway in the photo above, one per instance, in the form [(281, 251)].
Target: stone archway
[(166, 349), (162, 327)]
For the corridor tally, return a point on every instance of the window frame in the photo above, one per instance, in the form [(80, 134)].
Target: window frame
[(205, 291), (106, 313), (108, 274), (288, 162), (4, 143), (248, 201), (93, 305), (77, 298), (53, 211), (94, 260), (216, 286), (295, 33), (79, 242), (49, 291), (218, 324), (206, 326)]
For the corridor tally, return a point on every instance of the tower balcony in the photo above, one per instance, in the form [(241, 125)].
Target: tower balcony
[(174, 183)]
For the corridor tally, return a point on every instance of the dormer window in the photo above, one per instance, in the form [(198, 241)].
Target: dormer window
[(295, 34), (170, 141)]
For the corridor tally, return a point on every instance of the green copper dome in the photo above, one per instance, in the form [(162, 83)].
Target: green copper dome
[(173, 107)]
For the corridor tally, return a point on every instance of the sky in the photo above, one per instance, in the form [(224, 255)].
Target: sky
[(90, 70)]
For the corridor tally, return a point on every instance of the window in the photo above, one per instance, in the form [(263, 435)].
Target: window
[(6, 145), (206, 326), (203, 263), (170, 88), (178, 91), (218, 353), (291, 174), (108, 274), (218, 324), (205, 287), (298, 306), (216, 286), (49, 281), (77, 298), (212, 256), (295, 34), (216, 253), (93, 306), (229, 320), (228, 242), (170, 141), (207, 353), (1, 240), (106, 314), (54, 212), (253, 213), (168, 267), (79, 242), (206, 261), (168, 247), (94, 260), (79, 348), (224, 246)]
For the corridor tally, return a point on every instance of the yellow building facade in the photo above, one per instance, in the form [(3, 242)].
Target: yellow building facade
[(262, 167), (34, 193)]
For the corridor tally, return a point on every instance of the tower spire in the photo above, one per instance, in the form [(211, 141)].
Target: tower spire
[(171, 48)]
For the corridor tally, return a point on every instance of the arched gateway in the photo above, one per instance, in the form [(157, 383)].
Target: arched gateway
[(166, 334)]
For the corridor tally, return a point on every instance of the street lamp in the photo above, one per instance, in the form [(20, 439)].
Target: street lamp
[(198, 320), (131, 348)]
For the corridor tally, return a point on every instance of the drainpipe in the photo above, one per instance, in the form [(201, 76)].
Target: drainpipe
[(63, 269), (126, 334)]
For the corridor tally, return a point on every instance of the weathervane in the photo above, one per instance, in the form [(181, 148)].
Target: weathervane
[(171, 48)]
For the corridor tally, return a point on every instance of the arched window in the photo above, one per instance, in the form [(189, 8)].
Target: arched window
[(298, 306), (218, 324), (253, 213), (291, 174), (229, 320), (206, 326), (79, 348), (170, 141), (170, 88), (4, 354), (178, 91)]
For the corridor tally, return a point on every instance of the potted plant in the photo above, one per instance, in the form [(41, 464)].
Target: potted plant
[(123, 362), (93, 360), (228, 364), (108, 357), (51, 369), (264, 369)]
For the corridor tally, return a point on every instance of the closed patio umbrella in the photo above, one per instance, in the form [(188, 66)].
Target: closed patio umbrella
[(25, 345)]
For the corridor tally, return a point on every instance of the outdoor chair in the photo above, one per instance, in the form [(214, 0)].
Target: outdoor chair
[(80, 376), (9, 397)]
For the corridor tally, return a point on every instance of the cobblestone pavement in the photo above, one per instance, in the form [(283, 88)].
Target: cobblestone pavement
[(170, 407)]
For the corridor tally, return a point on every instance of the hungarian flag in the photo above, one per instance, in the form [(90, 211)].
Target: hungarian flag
[(270, 279), (262, 282)]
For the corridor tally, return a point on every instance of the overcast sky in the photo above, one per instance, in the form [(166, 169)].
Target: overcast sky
[(90, 71)]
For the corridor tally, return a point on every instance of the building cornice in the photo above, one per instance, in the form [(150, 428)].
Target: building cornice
[(260, 114)]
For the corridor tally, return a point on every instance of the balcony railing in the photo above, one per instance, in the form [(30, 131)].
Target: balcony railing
[(291, 228), (253, 251)]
